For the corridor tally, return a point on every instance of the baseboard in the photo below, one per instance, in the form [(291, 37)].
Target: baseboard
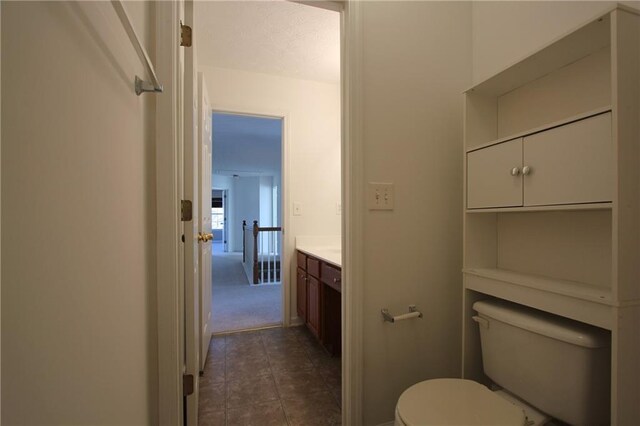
[(295, 321), (391, 423)]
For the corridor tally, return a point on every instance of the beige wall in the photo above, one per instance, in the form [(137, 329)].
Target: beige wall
[(507, 31), (78, 294), (313, 112), (417, 61)]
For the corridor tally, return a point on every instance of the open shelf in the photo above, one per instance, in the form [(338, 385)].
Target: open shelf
[(565, 50), (574, 289), (580, 301), (549, 208), (542, 128)]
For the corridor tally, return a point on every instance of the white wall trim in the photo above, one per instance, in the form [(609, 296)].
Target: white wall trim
[(352, 200), (287, 240), (168, 159)]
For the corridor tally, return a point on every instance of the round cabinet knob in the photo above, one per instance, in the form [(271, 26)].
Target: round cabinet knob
[(515, 171), (526, 170)]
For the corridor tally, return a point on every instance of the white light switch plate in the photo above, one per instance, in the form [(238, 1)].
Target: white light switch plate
[(297, 208), (380, 196), (338, 208)]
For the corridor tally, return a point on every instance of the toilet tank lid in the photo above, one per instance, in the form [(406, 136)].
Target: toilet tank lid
[(543, 323)]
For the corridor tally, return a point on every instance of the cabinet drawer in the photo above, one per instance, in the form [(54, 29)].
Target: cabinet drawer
[(331, 276), (302, 260), (489, 179), (570, 164), (313, 267)]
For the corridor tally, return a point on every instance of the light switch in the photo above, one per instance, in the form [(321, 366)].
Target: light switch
[(380, 196), (338, 208), (297, 208)]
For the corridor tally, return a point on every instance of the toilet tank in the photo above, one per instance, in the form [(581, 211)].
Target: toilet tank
[(558, 365)]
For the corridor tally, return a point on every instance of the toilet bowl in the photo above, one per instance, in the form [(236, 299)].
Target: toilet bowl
[(455, 402)]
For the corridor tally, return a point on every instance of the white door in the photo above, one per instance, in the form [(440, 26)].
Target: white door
[(493, 176), (204, 183), (191, 228)]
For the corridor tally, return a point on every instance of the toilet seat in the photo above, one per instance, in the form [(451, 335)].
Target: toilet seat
[(455, 402)]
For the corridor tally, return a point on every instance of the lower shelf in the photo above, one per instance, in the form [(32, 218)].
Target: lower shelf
[(582, 302)]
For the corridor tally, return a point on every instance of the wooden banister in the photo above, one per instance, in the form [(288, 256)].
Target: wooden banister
[(261, 267)]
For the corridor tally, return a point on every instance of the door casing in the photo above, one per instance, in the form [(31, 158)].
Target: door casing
[(170, 282)]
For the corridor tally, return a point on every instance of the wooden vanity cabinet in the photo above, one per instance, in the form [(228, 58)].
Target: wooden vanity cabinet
[(308, 293), (319, 300)]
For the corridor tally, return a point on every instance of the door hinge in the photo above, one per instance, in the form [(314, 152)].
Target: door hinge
[(186, 35), (187, 384), (186, 210)]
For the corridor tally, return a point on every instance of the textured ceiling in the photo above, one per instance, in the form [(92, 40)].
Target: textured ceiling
[(272, 37)]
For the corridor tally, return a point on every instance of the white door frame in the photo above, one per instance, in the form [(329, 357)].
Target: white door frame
[(169, 279), (168, 245), (284, 156)]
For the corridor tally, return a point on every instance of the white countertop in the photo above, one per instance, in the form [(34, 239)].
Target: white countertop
[(328, 249)]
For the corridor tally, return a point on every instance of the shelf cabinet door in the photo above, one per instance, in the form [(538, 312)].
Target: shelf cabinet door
[(301, 294), (490, 182), (570, 164), (313, 306)]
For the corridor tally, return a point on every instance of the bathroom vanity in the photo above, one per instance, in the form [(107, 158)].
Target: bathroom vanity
[(318, 289), (552, 192)]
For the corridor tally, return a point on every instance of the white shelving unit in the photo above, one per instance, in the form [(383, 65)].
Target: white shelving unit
[(552, 192)]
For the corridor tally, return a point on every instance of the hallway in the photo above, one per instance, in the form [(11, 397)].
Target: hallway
[(238, 305), (276, 376)]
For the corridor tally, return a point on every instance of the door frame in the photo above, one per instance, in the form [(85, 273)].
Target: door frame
[(170, 282), (284, 189)]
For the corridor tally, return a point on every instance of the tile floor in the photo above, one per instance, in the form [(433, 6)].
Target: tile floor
[(277, 376)]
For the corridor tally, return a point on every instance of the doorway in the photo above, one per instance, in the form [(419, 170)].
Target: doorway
[(246, 210), (351, 149), (297, 367)]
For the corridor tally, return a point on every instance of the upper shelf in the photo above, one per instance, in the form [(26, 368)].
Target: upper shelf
[(539, 129), (561, 52), (544, 208)]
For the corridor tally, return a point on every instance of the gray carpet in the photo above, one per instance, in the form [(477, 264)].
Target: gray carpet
[(238, 305)]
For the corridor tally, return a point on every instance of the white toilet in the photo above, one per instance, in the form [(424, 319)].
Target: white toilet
[(558, 366)]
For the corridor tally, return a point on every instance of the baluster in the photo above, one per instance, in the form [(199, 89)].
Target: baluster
[(271, 268), (273, 263), (256, 271)]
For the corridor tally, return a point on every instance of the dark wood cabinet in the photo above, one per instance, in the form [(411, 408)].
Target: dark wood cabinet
[(301, 287), (319, 300)]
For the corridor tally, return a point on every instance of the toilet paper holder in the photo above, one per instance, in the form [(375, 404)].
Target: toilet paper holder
[(413, 313)]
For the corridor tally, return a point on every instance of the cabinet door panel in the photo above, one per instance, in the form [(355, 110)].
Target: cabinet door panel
[(570, 164), (301, 290), (313, 305), (489, 179)]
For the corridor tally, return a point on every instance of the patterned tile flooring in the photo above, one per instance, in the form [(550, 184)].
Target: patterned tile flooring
[(276, 376)]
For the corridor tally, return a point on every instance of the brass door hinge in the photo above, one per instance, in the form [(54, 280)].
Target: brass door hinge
[(187, 384), (186, 35), (186, 210)]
